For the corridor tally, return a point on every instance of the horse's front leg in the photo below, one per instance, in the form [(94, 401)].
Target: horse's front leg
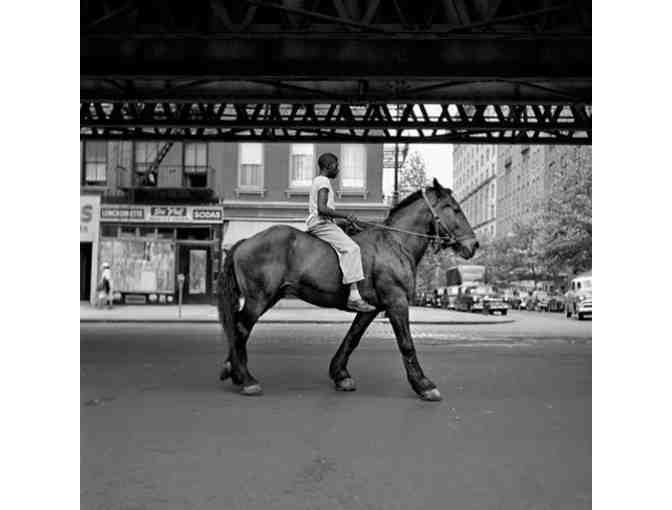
[(398, 314), (338, 368)]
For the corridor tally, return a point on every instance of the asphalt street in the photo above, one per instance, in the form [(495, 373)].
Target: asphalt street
[(160, 431)]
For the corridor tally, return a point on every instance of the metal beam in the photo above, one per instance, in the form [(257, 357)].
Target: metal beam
[(373, 123)]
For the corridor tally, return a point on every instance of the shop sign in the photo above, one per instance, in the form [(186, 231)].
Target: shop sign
[(167, 212), (122, 213), (212, 214), (89, 217), (163, 214)]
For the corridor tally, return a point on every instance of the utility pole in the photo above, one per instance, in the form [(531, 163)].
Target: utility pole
[(395, 193)]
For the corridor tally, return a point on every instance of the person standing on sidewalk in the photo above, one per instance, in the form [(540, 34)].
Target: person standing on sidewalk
[(320, 223), (106, 285)]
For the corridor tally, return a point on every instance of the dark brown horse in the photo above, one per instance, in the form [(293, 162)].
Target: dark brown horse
[(282, 261)]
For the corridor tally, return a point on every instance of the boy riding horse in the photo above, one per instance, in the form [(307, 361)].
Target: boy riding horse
[(320, 223)]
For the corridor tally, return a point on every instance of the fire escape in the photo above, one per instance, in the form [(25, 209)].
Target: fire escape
[(155, 182)]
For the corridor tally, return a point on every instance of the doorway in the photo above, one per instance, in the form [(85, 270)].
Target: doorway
[(195, 263), (85, 260)]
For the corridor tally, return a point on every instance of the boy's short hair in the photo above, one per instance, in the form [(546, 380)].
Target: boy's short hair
[(325, 159)]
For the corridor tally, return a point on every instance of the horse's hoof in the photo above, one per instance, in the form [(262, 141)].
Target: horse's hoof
[(251, 390), (225, 373), (432, 395), (347, 384)]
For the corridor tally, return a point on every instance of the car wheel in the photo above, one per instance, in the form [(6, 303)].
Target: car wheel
[(504, 312)]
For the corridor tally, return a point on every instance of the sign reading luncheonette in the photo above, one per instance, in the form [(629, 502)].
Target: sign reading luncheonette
[(89, 217), (162, 213)]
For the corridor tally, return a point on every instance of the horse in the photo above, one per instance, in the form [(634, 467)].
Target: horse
[(283, 261)]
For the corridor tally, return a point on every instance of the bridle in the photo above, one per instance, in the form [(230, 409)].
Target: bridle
[(440, 241)]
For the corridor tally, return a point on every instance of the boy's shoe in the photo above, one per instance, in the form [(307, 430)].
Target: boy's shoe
[(359, 305)]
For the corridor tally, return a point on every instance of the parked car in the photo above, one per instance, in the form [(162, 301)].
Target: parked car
[(556, 303), (495, 304), (579, 297), (540, 301)]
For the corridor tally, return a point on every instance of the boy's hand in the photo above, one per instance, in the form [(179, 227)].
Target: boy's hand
[(351, 218)]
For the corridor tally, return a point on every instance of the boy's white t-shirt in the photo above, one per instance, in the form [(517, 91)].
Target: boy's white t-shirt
[(314, 217)]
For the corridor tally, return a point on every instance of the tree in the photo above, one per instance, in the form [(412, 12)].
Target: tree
[(568, 216), (413, 174)]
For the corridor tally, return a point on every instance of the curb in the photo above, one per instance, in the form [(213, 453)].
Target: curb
[(284, 322)]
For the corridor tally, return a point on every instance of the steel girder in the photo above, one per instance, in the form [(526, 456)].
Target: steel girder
[(371, 123), (290, 54)]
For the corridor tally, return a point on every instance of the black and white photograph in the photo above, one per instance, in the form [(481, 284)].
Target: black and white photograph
[(335, 254)]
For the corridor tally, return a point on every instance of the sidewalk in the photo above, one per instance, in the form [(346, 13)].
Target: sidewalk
[(285, 312)]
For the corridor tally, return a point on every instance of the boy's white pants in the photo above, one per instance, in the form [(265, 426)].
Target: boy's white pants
[(349, 256)]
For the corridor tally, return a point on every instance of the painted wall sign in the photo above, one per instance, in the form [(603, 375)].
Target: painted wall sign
[(162, 214), (89, 217)]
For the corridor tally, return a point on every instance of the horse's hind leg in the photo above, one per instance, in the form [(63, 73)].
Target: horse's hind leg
[(240, 373), (338, 370)]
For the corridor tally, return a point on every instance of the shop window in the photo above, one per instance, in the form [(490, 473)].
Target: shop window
[(251, 166), (95, 163), (302, 165), (128, 231), (193, 234), (147, 232), (165, 233), (353, 166), (107, 230), (196, 165)]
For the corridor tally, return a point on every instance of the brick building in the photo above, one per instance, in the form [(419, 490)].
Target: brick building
[(168, 208)]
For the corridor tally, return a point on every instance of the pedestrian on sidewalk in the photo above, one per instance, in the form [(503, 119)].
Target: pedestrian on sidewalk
[(105, 287)]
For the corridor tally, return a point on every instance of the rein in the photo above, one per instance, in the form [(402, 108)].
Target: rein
[(440, 240)]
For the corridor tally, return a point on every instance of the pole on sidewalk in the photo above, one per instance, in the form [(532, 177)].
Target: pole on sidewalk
[(180, 288)]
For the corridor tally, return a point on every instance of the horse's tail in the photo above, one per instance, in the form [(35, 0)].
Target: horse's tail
[(228, 295)]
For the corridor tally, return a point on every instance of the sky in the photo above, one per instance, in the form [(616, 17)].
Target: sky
[(439, 159)]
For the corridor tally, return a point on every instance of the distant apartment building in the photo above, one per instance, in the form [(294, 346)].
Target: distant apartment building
[(475, 185), (155, 209), (501, 185)]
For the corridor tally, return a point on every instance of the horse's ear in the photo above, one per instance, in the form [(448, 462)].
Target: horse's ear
[(437, 185)]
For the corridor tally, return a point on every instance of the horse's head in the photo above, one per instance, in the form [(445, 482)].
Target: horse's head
[(451, 221)]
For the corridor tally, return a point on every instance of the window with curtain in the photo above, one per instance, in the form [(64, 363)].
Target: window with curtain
[(95, 163), (353, 166), (251, 165), (301, 165), (195, 158), (145, 154)]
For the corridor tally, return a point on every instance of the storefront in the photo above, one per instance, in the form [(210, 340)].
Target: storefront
[(148, 246), (89, 222)]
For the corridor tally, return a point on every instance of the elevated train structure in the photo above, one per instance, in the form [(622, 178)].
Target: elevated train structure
[(375, 71)]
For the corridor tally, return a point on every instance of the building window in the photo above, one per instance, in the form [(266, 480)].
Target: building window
[(196, 165), (145, 155), (95, 163), (301, 164), (251, 165), (353, 166), (195, 157)]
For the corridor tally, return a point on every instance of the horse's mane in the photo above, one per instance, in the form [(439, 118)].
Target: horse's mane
[(406, 201)]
